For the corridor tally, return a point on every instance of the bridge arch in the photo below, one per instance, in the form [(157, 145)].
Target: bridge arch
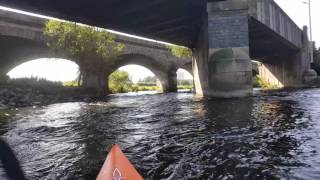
[(187, 67), (51, 69), (186, 71), (18, 50), (185, 79), (166, 74)]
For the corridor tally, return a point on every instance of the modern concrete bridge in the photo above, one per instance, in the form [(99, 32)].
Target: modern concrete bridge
[(224, 35), (22, 40)]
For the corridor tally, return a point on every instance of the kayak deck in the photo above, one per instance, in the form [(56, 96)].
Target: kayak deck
[(118, 167)]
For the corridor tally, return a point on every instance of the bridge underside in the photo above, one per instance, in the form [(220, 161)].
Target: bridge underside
[(224, 35), (282, 63), (264, 42), (175, 21)]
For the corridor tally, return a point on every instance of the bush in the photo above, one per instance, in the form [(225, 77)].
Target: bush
[(146, 84), (259, 82), (40, 82), (185, 82), (185, 87), (148, 88), (316, 55), (179, 51), (71, 84), (4, 78), (119, 82)]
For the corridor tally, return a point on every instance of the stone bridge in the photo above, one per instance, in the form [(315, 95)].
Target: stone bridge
[(22, 40), (225, 36)]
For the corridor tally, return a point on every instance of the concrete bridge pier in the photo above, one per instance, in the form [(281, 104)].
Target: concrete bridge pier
[(94, 78), (95, 83), (222, 67), (169, 82)]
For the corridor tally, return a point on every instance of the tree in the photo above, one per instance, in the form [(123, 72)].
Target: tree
[(316, 55), (179, 51), (120, 82), (148, 80), (185, 82), (88, 46)]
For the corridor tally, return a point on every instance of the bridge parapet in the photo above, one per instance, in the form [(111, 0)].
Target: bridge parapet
[(25, 33), (270, 14), (16, 24)]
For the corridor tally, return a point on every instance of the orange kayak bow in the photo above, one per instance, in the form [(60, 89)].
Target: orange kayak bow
[(118, 167)]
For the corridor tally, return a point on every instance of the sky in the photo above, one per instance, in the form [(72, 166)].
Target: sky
[(51, 69), (66, 70), (299, 12)]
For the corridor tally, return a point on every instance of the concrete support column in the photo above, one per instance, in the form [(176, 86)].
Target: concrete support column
[(95, 83), (309, 75), (221, 66), (169, 84), (95, 80)]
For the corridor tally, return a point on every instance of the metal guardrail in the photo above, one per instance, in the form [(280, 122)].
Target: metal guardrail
[(270, 14)]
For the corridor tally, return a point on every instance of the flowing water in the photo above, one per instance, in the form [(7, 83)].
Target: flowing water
[(172, 136)]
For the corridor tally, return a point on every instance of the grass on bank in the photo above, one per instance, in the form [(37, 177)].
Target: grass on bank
[(30, 82), (27, 90), (185, 87), (131, 87), (258, 82), (114, 87)]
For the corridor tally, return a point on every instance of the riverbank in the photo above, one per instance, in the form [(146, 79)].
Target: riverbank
[(18, 94)]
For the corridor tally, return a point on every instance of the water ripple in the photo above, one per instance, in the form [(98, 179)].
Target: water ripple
[(173, 136)]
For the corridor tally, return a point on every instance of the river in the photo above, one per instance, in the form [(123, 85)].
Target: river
[(172, 136)]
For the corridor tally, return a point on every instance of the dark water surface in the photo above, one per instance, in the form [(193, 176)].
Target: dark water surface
[(173, 136)]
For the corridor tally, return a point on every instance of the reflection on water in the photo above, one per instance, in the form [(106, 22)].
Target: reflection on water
[(174, 136)]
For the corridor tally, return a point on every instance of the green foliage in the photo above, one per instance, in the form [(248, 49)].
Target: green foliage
[(259, 82), (145, 88), (316, 55), (179, 51), (148, 80), (119, 82), (81, 42), (185, 82), (256, 82), (146, 84), (4, 78), (34, 81), (71, 84), (185, 87)]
